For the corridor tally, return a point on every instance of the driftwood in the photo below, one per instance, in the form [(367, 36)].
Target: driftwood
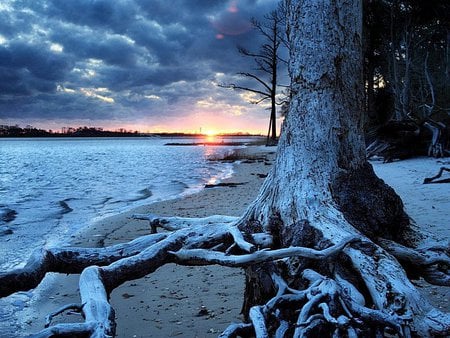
[(406, 139), (438, 175), (224, 184)]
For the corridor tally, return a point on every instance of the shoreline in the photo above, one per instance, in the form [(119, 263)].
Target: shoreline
[(203, 301), (174, 300)]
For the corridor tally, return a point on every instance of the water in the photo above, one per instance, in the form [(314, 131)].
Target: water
[(51, 188)]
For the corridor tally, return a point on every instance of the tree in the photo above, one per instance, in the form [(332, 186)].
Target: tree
[(405, 60), (339, 248), (267, 60)]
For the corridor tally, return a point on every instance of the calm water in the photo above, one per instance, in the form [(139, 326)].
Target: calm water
[(50, 188)]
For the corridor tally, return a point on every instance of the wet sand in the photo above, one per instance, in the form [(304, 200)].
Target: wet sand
[(203, 301)]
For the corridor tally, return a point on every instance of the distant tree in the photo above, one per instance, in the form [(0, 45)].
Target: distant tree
[(267, 60)]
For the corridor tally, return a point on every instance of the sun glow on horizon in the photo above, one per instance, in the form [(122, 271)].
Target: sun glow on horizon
[(210, 135), (211, 132)]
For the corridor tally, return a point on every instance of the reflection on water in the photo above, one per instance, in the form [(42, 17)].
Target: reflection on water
[(54, 187)]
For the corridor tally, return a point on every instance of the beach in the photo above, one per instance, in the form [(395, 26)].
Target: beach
[(174, 300), (203, 301)]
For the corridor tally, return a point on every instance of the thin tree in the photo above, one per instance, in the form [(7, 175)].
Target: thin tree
[(337, 240), (267, 60)]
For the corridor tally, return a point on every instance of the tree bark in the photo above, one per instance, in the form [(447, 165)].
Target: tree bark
[(322, 138), (321, 188)]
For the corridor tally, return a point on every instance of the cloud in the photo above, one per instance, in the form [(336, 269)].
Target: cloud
[(122, 60)]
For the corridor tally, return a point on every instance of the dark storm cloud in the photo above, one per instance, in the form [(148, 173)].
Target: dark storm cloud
[(111, 15), (95, 59)]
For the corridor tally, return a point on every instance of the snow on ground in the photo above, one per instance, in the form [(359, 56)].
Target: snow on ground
[(427, 204)]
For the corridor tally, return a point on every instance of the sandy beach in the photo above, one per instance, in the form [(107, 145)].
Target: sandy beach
[(202, 301), (175, 300)]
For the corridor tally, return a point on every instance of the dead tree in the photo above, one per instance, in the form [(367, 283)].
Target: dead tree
[(267, 60), (320, 259)]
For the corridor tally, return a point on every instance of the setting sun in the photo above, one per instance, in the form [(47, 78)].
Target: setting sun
[(210, 133)]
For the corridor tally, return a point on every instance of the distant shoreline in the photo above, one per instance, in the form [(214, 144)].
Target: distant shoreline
[(17, 132), (113, 134)]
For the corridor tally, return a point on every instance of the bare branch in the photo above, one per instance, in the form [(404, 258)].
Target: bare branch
[(233, 86), (261, 100), (246, 52), (257, 79)]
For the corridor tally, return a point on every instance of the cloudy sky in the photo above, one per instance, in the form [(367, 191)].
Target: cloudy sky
[(151, 65)]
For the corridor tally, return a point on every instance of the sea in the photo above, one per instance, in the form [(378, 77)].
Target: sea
[(51, 188)]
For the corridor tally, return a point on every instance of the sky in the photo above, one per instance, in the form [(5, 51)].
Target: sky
[(147, 65)]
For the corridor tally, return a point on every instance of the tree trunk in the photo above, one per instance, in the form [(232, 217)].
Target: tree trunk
[(406, 89), (322, 136), (321, 188), (273, 90), (394, 72)]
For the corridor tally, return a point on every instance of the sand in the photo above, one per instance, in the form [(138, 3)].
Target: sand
[(202, 301), (174, 300)]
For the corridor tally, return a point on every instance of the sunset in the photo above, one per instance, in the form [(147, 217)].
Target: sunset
[(224, 168), (129, 64)]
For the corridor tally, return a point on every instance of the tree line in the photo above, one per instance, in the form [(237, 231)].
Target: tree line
[(406, 74), (29, 131)]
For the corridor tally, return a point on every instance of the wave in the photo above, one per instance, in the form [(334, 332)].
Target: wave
[(143, 194), (179, 184), (103, 202)]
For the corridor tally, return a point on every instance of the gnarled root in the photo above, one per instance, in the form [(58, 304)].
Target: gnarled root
[(431, 263), (68, 260), (324, 304)]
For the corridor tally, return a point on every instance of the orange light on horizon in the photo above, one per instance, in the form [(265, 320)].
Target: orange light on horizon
[(211, 135), (211, 132)]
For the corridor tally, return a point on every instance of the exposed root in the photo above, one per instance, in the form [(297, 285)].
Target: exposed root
[(323, 306), (67, 330), (69, 260), (177, 223), (207, 257), (237, 330), (259, 322), (75, 307), (432, 264), (325, 303)]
